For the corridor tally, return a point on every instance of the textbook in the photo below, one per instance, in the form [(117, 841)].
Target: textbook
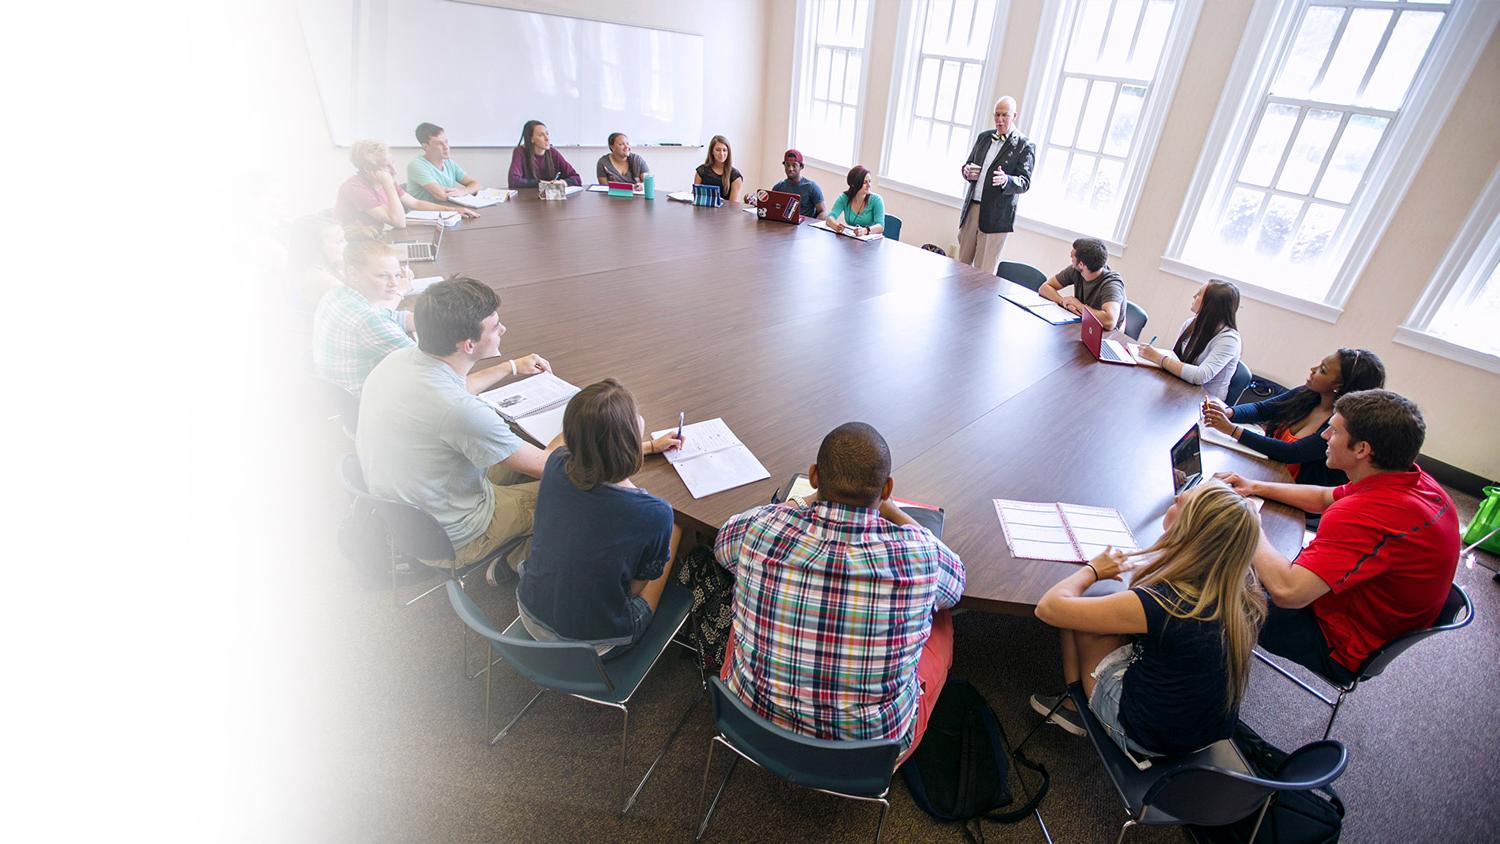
[(433, 218), (534, 404), (823, 224), (929, 516), (712, 459), (1068, 533), (485, 198), (1039, 307)]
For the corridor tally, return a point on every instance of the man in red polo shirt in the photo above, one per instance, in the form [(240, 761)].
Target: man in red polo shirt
[(1386, 549)]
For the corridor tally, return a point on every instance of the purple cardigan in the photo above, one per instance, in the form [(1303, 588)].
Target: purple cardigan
[(544, 166)]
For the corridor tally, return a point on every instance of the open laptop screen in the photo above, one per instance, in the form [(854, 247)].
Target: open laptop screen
[(1187, 461)]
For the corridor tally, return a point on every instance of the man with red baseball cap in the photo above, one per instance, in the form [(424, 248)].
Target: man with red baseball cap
[(812, 195)]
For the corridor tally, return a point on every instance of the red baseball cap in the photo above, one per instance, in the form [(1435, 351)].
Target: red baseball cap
[(793, 155)]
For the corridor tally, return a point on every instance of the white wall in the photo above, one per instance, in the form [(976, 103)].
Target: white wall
[(733, 31), (1461, 403)]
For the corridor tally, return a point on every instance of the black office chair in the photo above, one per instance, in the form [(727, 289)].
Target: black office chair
[(1023, 274), (1457, 612), (1238, 382), (1135, 320), (340, 404), (1214, 786)]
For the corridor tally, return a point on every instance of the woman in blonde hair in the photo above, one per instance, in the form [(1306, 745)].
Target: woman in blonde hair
[(1165, 663)]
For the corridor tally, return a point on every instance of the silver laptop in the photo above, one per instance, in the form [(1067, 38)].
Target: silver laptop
[(419, 250)]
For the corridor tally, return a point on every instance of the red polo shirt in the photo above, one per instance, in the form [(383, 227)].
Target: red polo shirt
[(1387, 548)]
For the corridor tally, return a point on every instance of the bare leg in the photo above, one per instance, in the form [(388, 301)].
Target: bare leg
[(1089, 649), (653, 589)]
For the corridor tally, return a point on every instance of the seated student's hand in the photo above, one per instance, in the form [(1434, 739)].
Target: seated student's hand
[(1217, 417), (835, 224), (1237, 483), (1109, 564), (1072, 303), (467, 213), (666, 442), (532, 364), (1151, 353)]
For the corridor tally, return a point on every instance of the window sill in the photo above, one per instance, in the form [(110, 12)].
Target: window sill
[(1064, 233), (1250, 290), (1433, 344), (887, 183)]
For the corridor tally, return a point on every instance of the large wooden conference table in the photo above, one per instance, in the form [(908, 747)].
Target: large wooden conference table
[(788, 331)]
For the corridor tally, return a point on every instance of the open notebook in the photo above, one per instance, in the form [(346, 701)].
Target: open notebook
[(484, 198), (1033, 302), (534, 404), (712, 459), (822, 224), (1069, 533), (1218, 438), (433, 218)]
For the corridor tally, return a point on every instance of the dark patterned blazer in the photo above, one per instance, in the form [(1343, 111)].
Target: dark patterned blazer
[(997, 206)]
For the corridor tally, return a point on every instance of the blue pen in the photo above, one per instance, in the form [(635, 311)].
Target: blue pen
[(1153, 340), (681, 417)]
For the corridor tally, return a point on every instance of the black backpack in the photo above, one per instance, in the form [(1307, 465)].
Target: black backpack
[(1295, 817), (961, 770)]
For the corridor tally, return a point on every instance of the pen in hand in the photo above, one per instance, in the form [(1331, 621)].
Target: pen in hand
[(681, 418)]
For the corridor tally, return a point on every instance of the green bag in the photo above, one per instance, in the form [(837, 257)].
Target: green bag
[(1486, 520)]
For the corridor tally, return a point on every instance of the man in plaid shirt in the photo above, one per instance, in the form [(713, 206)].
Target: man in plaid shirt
[(356, 325), (841, 628)]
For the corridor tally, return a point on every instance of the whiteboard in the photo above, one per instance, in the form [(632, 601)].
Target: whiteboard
[(480, 72)]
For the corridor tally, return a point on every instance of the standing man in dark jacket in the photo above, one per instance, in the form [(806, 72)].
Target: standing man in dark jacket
[(998, 171)]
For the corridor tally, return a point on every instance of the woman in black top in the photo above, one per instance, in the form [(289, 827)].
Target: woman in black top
[(1295, 419), (1172, 653), (718, 169)]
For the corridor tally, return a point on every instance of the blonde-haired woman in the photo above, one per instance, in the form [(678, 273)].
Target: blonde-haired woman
[(1165, 663), (372, 197)]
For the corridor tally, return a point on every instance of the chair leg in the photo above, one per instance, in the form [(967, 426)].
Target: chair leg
[(1038, 726), (659, 754), (1260, 817), (1334, 714), (624, 751), (734, 760), (885, 806), (506, 728), (1124, 828)]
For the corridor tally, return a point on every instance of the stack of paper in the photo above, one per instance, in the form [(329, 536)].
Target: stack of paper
[(572, 189), (1043, 308), (485, 198), (1069, 533), (536, 404), (823, 224), (712, 459), (680, 196), (433, 218)]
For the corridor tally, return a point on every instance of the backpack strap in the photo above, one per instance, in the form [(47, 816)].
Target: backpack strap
[(1031, 805)]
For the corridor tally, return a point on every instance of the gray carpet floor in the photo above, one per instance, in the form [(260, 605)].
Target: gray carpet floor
[(396, 751)]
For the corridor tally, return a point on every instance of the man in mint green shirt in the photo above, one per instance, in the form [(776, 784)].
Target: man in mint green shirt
[(434, 176)]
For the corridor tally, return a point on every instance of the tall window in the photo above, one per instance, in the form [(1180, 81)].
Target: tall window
[(1103, 75), (830, 75), (949, 50), (1458, 315), (1311, 155)]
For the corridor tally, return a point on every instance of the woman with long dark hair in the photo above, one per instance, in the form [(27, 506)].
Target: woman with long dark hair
[(1208, 346), (620, 164), (1295, 419), (536, 160), (858, 209), (718, 170)]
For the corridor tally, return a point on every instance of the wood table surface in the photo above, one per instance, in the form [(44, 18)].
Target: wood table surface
[(788, 331)]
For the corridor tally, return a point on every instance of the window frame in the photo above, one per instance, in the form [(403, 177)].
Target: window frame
[(1269, 32), (806, 49), (904, 78), (1470, 259), (1043, 88)]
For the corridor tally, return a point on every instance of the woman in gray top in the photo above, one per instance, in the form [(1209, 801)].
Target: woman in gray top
[(620, 164), (1207, 350)]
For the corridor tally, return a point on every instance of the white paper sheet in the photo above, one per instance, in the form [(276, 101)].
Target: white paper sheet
[(484, 198), (712, 459), (530, 395), (432, 218), (822, 224), (1055, 313), (1218, 438), (545, 425), (1135, 352)]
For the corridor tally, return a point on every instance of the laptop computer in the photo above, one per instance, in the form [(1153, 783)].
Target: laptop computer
[(1187, 461), (778, 205), (419, 250), (1109, 351)]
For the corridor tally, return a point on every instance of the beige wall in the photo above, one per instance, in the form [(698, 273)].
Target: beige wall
[(1462, 403), (733, 31)]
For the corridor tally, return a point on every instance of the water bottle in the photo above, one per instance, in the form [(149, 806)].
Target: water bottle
[(650, 182)]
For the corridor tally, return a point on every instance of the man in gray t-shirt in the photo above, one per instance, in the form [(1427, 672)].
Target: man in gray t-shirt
[(424, 439), (1095, 285)]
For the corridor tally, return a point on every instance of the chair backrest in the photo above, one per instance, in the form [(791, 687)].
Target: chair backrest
[(352, 476), (1209, 796), (860, 768), (1238, 382), (1457, 612), (1023, 274), (414, 532), (892, 227), (1135, 320), (341, 402), (567, 667)]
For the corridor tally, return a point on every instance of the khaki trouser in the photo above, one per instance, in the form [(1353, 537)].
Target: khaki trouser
[(515, 512), (976, 248)]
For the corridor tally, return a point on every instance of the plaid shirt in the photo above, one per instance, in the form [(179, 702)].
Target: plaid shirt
[(351, 334), (832, 605)]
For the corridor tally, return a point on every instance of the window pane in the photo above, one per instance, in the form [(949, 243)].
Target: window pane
[(835, 75), (1351, 157), (947, 89), (1352, 58), (1115, 57), (968, 94), (1088, 34), (1276, 225), (1471, 321), (1091, 132), (1122, 125), (926, 87), (1308, 150), (1305, 58), (935, 36), (1080, 179), (820, 74), (851, 79), (1317, 230), (1107, 183), (1403, 55), (1153, 38), (1270, 141), (1239, 215), (1069, 103)]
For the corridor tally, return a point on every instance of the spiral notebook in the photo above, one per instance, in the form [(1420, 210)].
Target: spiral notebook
[(1068, 533)]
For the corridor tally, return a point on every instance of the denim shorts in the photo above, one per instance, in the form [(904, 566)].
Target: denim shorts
[(640, 621), (1109, 685)]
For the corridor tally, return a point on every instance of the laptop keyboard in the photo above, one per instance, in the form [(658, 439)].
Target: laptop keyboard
[(1107, 352), (418, 251)]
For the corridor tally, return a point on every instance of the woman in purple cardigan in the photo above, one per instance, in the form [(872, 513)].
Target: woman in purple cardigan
[(535, 159)]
